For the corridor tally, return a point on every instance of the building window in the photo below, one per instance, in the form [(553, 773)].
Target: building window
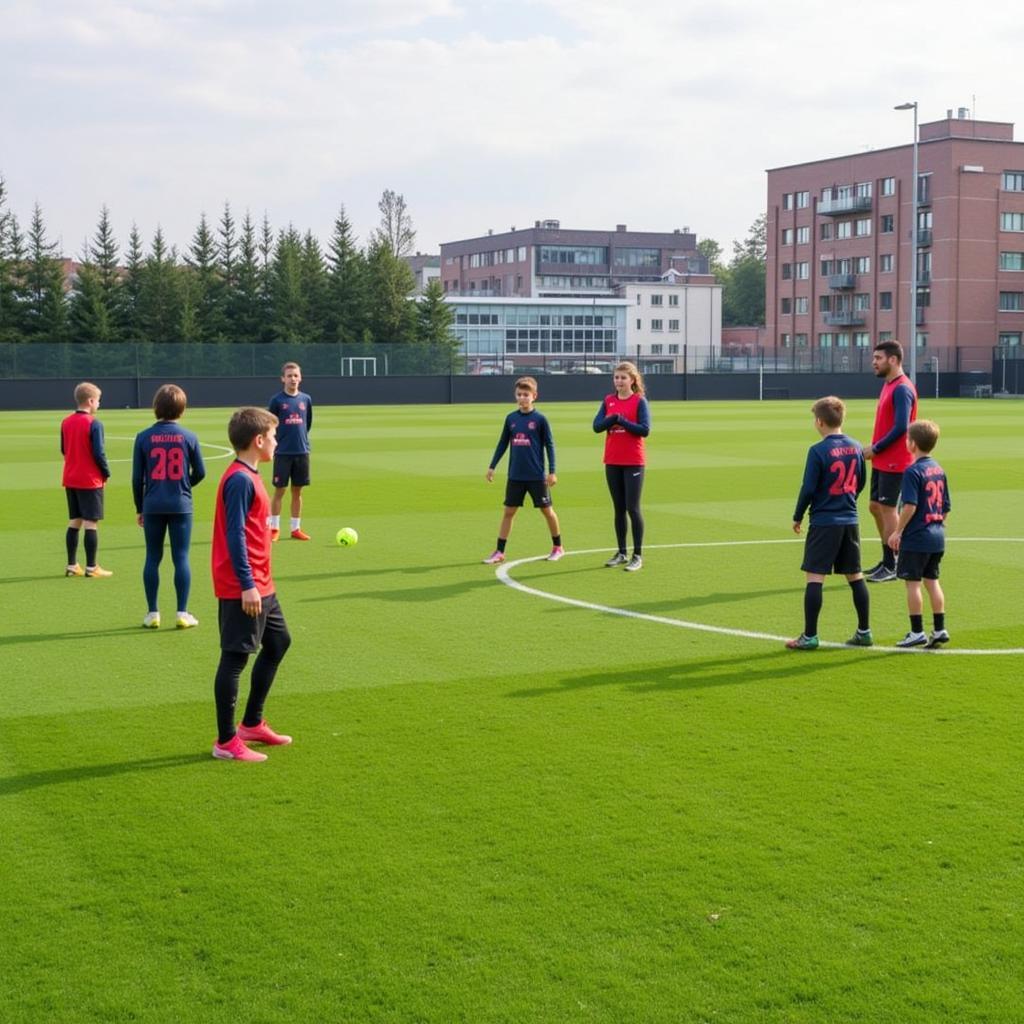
[(844, 229), (1009, 338), (924, 188), (656, 325), (801, 340), (922, 339), (803, 236), (862, 265), (787, 200), (825, 340), (1013, 181), (862, 301), (787, 236), (784, 340), (631, 257), (864, 189), (522, 254), (801, 306), (885, 263), (803, 200), (639, 324), (1011, 302), (824, 303), (787, 271), (863, 227), (826, 231), (655, 350), (861, 339), (843, 339), (1011, 221), (885, 300), (803, 271), (885, 224), (785, 306), (884, 336), (673, 300), (673, 350), (826, 268), (655, 300), (673, 325), (888, 187), (1011, 261)]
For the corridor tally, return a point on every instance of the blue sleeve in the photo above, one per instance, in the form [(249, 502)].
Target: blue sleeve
[(138, 474), (238, 495), (902, 403), (549, 445), (812, 471), (96, 439), (861, 472), (309, 414), (602, 421), (910, 487), (642, 427), (503, 443), (196, 466)]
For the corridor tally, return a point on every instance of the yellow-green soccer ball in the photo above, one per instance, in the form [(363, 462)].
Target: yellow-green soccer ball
[(346, 537)]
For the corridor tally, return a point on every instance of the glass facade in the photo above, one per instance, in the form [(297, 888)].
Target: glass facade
[(588, 255), (633, 257)]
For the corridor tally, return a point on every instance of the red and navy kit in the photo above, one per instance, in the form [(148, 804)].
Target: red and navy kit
[(294, 419), (627, 422), (896, 410), (833, 477), (926, 488), (529, 436), (81, 444), (240, 556), (166, 465)]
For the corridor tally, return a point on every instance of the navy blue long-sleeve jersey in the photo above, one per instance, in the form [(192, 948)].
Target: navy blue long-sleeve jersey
[(925, 487), (529, 436), (833, 477), (166, 465)]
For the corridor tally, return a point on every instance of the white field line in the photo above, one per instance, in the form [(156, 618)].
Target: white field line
[(502, 572)]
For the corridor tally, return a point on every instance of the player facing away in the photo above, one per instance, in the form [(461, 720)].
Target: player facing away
[(920, 535), (833, 477), (85, 472), (527, 433), (888, 455), (294, 411), (166, 465), (625, 418), (249, 615)]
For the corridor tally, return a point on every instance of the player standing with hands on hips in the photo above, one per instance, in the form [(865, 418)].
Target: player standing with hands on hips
[(294, 411), (626, 420), (888, 454)]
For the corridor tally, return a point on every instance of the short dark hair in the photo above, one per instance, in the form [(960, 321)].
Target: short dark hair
[(924, 434), (247, 424), (891, 348), (169, 402), (830, 410)]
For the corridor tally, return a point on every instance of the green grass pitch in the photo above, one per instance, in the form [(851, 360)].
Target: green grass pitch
[(503, 808)]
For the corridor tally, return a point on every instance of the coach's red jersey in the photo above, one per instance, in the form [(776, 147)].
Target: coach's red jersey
[(891, 455), (81, 468), (621, 448), (240, 557)]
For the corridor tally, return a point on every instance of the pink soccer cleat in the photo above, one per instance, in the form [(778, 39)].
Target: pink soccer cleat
[(495, 558), (236, 750), (262, 733), (557, 553)]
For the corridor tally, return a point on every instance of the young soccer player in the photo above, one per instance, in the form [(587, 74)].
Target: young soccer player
[(920, 538), (294, 411), (166, 465), (626, 418), (249, 614), (887, 453), (528, 434), (833, 477), (85, 472)]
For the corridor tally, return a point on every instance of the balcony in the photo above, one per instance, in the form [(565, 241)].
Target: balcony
[(845, 318), (924, 236), (844, 204), (840, 282)]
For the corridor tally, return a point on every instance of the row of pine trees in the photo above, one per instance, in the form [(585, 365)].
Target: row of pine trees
[(236, 282)]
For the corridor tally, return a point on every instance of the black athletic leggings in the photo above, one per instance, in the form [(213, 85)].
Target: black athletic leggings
[(625, 484), (229, 671)]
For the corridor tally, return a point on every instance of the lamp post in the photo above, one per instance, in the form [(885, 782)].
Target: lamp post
[(912, 105)]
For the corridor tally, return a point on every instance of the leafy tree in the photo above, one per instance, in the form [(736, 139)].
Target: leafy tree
[(743, 283), (346, 285), (395, 232), (711, 249), (391, 315), (46, 308)]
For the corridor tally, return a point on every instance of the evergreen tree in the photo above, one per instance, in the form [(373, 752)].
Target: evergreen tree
[(314, 287), (247, 309), (227, 268), (266, 253), (288, 303), (46, 308), (434, 320), (90, 319), (346, 296), (129, 317), (12, 259), (159, 300), (391, 315), (204, 292)]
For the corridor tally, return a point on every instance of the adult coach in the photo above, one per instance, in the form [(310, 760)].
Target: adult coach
[(294, 411), (888, 453)]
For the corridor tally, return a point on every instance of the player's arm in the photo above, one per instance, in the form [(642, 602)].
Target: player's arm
[(503, 443), (96, 441), (138, 476), (309, 414), (642, 426), (602, 421), (902, 404), (196, 466), (238, 496), (862, 472), (549, 448), (906, 514), (812, 473)]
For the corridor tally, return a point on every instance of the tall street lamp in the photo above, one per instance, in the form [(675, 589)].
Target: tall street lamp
[(912, 105)]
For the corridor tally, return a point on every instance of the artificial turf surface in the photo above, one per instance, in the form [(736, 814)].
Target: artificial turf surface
[(500, 807)]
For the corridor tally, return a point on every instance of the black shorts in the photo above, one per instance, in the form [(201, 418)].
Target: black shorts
[(85, 504), (831, 549), (516, 491), (918, 565), (885, 487), (243, 634), (293, 468)]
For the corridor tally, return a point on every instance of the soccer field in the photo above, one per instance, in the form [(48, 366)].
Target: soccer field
[(518, 805)]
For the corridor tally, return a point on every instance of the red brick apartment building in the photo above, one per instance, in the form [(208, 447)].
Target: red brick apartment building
[(841, 238)]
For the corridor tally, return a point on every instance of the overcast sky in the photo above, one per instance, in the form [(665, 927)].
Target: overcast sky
[(483, 113)]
